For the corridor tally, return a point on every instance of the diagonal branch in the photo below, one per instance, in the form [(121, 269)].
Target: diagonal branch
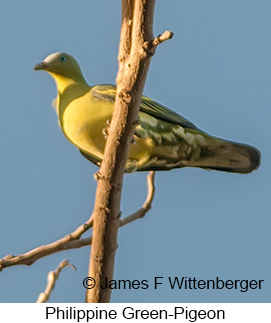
[(51, 280), (140, 213), (42, 251), (31, 256)]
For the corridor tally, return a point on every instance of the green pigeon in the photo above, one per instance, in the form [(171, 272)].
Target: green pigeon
[(162, 140)]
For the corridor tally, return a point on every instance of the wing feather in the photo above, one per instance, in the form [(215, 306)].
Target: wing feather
[(107, 92)]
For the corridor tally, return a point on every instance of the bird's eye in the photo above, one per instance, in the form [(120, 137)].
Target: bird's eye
[(63, 58)]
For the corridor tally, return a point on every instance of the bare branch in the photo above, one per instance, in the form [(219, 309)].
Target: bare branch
[(140, 213), (31, 256), (51, 280), (161, 38), (126, 30), (42, 251), (134, 62)]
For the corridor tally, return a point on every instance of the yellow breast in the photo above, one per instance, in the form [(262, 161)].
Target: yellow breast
[(84, 122)]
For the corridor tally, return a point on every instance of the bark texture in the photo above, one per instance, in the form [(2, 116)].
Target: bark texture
[(135, 51)]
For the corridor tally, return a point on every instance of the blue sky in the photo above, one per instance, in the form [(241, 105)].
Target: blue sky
[(203, 224)]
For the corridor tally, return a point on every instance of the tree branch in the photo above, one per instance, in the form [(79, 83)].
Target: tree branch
[(137, 17), (51, 280), (161, 38), (42, 251), (31, 256), (147, 204)]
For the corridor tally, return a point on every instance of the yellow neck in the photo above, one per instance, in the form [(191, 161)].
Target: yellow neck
[(63, 82)]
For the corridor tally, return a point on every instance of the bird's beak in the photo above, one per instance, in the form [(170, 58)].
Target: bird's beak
[(41, 66)]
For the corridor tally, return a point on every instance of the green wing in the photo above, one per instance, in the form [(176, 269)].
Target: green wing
[(107, 92)]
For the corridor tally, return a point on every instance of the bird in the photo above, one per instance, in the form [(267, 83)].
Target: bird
[(162, 139)]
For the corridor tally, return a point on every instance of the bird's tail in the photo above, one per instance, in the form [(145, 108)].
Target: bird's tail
[(227, 156)]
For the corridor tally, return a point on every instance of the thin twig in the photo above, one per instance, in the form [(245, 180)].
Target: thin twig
[(31, 256), (51, 280), (168, 34), (140, 213), (35, 254), (152, 45)]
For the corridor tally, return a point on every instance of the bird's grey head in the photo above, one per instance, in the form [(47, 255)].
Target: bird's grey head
[(61, 64)]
